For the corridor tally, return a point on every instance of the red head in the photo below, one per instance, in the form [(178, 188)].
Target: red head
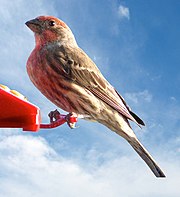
[(49, 29)]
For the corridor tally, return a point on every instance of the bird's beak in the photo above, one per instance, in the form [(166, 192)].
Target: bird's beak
[(34, 25)]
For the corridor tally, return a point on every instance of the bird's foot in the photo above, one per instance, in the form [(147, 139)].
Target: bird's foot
[(71, 120), (54, 115)]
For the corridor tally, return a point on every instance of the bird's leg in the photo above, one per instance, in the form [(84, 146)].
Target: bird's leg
[(70, 118)]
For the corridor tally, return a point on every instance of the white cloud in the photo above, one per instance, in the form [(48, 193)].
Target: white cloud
[(30, 167), (136, 97), (123, 12), (173, 99)]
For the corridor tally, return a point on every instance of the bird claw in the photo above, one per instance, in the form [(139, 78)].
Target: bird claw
[(54, 115), (71, 120)]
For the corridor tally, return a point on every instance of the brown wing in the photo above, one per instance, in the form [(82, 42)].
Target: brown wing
[(79, 68)]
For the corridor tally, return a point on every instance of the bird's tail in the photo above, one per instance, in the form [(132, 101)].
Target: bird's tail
[(143, 153)]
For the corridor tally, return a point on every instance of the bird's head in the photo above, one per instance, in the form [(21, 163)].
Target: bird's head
[(50, 29)]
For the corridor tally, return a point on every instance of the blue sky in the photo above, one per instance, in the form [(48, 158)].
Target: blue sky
[(136, 46)]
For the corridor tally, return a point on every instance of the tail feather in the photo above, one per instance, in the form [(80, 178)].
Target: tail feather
[(143, 153)]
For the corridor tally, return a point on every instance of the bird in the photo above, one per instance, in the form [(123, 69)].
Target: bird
[(70, 79)]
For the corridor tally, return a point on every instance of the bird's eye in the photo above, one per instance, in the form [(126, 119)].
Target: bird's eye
[(52, 23)]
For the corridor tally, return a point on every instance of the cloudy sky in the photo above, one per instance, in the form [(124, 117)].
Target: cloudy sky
[(136, 46)]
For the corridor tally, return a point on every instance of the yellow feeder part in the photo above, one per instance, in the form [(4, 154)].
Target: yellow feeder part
[(18, 94), (4, 87)]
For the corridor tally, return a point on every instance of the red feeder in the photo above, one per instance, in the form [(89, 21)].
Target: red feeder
[(19, 113)]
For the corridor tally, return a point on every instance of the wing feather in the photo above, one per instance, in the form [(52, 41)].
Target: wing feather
[(79, 68)]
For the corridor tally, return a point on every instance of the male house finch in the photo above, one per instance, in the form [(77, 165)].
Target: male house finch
[(65, 74)]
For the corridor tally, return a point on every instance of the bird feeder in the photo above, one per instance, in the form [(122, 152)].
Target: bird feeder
[(17, 112)]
